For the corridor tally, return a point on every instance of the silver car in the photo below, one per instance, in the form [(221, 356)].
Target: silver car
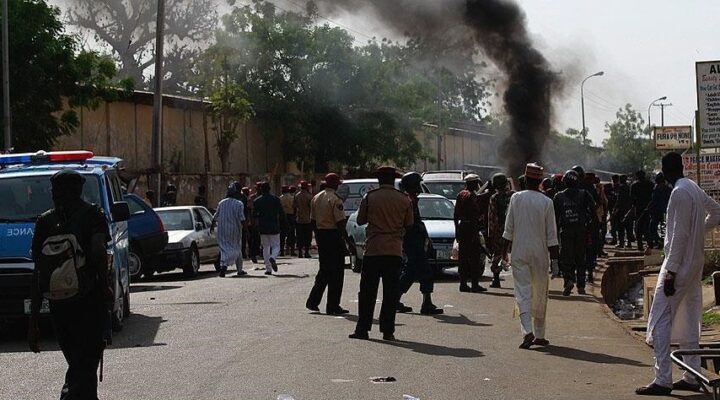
[(436, 212)]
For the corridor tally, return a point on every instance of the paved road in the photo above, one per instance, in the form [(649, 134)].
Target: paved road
[(252, 338)]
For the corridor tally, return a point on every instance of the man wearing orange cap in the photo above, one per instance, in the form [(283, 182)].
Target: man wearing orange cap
[(530, 230), (328, 220), (302, 206)]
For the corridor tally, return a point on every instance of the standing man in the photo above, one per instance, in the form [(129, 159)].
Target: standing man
[(611, 193), (620, 213), (302, 205), (230, 220), (328, 220), (287, 240), (531, 232), (484, 196), (389, 214), (677, 306), (247, 208), (640, 194), (573, 208), (269, 216), (658, 206), (254, 241), (499, 203), (79, 320), (201, 198), (467, 232), (416, 266)]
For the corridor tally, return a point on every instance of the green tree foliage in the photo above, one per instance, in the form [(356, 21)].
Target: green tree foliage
[(629, 144), (335, 102), (126, 29), (45, 71)]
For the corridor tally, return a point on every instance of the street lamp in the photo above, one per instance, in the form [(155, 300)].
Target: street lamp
[(582, 103), (651, 104)]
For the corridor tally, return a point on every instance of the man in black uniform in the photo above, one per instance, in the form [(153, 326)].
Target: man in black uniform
[(416, 266), (573, 209), (640, 194), (619, 213), (80, 320), (611, 193)]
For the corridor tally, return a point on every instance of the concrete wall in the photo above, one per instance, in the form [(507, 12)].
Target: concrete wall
[(456, 150)]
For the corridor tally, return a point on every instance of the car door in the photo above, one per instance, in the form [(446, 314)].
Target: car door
[(201, 235), (212, 244)]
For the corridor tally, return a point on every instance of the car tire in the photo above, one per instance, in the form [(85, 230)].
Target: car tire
[(193, 266), (135, 263)]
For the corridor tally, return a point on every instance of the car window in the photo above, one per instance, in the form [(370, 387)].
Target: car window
[(206, 216), (199, 218), (176, 220), (356, 191), (26, 197), (436, 209), (113, 186), (449, 190), (134, 206)]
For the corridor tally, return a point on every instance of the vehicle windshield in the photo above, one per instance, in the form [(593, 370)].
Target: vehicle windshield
[(436, 209), (448, 190), (176, 220), (24, 198)]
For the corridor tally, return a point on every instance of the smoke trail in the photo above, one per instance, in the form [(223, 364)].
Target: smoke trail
[(498, 27)]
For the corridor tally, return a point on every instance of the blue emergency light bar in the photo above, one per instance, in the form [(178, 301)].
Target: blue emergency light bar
[(42, 157)]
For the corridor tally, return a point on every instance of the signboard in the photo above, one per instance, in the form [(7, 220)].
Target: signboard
[(673, 137), (709, 172), (708, 98)]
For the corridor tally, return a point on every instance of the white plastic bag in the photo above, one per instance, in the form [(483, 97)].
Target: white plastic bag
[(455, 252)]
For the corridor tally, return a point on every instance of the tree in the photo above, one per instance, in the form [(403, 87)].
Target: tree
[(629, 143), (127, 30), (45, 71)]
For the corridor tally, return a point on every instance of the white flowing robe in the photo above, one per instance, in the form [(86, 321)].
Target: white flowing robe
[(684, 255), (229, 216), (530, 225)]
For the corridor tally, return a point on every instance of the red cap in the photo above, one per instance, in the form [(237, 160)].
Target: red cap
[(333, 180)]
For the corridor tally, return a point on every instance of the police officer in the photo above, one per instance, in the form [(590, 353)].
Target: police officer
[(287, 234), (328, 220), (389, 214), (79, 321), (573, 209), (416, 265), (302, 206)]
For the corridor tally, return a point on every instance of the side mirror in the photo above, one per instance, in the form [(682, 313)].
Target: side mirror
[(120, 211), (199, 226)]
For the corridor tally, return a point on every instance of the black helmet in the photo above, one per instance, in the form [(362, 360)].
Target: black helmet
[(548, 183), (580, 171), (571, 178), (410, 182)]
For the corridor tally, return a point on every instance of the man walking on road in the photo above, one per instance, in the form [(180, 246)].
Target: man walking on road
[(499, 203), (389, 214), (328, 219), (269, 215), (468, 217), (531, 232), (303, 206), (230, 220), (677, 306)]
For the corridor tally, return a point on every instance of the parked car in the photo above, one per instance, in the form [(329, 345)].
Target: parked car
[(436, 212), (25, 194), (190, 241), (356, 189), (446, 183), (147, 233)]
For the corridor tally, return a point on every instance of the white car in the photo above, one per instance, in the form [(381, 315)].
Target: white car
[(355, 189), (436, 212), (190, 241)]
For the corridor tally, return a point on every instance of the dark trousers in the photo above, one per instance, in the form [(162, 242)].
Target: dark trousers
[(332, 269), (79, 332), (416, 267), (469, 254), (255, 249), (304, 236), (654, 235), (287, 233), (572, 257), (641, 229), (375, 268)]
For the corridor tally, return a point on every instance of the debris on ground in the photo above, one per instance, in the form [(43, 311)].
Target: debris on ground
[(383, 379), (630, 306)]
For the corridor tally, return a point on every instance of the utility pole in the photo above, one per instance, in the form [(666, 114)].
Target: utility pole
[(157, 125), (7, 125), (662, 111)]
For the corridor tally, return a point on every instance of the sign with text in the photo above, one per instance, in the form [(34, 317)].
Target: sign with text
[(709, 172), (673, 137), (708, 98)]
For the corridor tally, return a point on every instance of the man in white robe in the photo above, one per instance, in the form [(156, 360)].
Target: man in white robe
[(531, 232), (229, 218), (677, 306)]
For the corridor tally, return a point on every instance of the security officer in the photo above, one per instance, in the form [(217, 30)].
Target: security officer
[(287, 234), (79, 321), (328, 220), (389, 214), (416, 265), (574, 207), (302, 206)]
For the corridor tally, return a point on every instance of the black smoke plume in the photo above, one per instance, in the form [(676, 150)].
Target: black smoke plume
[(498, 28)]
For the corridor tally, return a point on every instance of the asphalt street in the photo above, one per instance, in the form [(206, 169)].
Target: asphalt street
[(252, 338)]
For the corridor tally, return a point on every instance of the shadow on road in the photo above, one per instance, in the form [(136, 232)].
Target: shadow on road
[(176, 276), (151, 288), (139, 331), (433, 349), (458, 320), (582, 355), (354, 318), (291, 276), (554, 294)]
